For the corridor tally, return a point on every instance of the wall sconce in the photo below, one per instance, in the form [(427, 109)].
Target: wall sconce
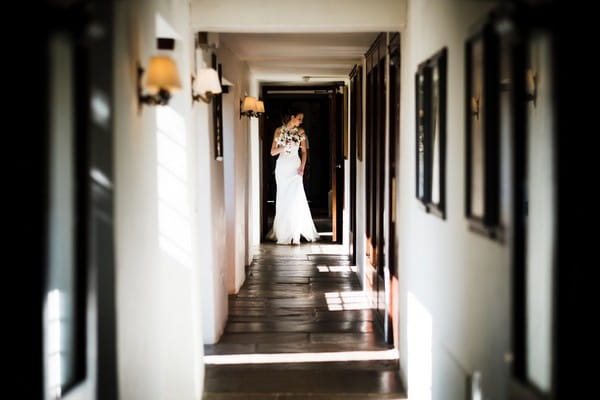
[(531, 86), (251, 107), (205, 85), (260, 108), (161, 80), (475, 106)]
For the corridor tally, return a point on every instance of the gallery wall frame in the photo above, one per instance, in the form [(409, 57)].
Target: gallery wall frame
[(422, 129), (430, 100), (482, 171), (356, 95), (437, 129), (217, 113), (345, 122)]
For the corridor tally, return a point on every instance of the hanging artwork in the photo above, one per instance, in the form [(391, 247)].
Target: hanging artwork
[(482, 138), (430, 106), (217, 108)]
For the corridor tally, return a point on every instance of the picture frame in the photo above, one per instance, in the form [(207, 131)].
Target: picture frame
[(421, 146), (430, 100), (437, 133), (482, 132), (359, 114), (345, 123), (217, 114)]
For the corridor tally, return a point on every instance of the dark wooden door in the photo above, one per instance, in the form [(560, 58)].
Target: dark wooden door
[(355, 149), (376, 178), (394, 136), (336, 114), (323, 180)]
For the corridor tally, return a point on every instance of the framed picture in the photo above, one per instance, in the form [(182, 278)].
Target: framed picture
[(356, 108), (430, 84), (217, 109), (482, 139), (345, 123), (422, 111), (437, 133)]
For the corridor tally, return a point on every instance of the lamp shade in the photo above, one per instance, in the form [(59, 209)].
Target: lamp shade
[(249, 104), (260, 106), (207, 80), (162, 73)]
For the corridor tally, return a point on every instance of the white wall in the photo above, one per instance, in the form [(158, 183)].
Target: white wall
[(294, 16), (454, 284), (255, 182), (236, 160), (212, 243), (158, 262)]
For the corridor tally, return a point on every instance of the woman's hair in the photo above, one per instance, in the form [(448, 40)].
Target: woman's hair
[(291, 112)]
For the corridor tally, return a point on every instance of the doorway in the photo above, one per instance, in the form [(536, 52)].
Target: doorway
[(323, 177)]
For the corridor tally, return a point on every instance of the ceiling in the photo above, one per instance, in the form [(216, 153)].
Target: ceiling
[(295, 56)]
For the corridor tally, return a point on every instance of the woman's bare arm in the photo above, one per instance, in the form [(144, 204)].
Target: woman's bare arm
[(275, 147), (304, 150)]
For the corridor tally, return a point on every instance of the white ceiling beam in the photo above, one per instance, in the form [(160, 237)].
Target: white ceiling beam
[(293, 16)]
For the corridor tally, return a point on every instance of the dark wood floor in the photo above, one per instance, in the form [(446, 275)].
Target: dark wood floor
[(297, 330)]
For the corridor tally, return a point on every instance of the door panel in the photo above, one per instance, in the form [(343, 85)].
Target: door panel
[(394, 134), (355, 148), (337, 165), (376, 181)]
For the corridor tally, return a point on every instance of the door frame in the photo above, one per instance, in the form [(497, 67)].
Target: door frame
[(332, 91), (568, 344), (355, 150), (92, 266), (377, 227)]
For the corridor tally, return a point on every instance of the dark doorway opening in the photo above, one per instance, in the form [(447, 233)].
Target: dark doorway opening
[(321, 123)]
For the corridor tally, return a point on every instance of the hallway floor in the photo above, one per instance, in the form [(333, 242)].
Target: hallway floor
[(300, 328)]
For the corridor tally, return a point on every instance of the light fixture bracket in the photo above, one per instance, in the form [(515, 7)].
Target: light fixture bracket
[(532, 86), (206, 97)]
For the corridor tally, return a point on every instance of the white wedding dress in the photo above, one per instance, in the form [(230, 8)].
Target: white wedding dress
[(292, 214)]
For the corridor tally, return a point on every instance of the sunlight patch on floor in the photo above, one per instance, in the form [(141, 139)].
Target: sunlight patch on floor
[(337, 268), (339, 301), (317, 248), (286, 358)]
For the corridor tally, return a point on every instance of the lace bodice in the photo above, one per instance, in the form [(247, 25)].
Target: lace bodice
[(290, 138)]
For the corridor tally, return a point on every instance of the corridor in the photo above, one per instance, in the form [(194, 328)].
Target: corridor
[(301, 328), (438, 173)]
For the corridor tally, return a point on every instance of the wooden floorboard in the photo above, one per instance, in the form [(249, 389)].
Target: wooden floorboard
[(297, 301)]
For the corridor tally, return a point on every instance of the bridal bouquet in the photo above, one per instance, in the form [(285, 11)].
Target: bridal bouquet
[(288, 138)]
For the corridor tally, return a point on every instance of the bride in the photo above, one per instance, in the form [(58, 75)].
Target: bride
[(292, 214)]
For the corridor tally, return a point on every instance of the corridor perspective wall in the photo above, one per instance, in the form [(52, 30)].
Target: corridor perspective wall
[(235, 163), (161, 259), (454, 284)]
